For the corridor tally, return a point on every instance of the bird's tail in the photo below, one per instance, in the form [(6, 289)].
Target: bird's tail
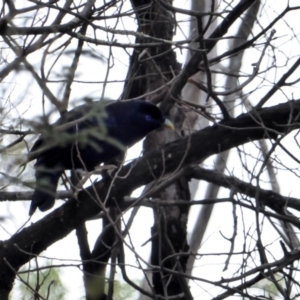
[(45, 191)]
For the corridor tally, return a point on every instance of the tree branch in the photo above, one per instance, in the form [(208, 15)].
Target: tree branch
[(31, 241)]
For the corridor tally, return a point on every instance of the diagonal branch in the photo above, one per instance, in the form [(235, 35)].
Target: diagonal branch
[(192, 66), (31, 241)]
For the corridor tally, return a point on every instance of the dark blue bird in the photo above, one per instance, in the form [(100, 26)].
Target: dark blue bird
[(85, 137)]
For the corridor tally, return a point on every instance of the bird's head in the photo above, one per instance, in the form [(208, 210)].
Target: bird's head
[(136, 119), (150, 116)]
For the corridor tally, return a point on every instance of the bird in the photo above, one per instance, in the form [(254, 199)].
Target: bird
[(85, 137)]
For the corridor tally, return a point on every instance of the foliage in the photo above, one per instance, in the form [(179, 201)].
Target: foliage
[(44, 283)]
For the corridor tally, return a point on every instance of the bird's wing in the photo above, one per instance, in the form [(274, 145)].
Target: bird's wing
[(85, 116)]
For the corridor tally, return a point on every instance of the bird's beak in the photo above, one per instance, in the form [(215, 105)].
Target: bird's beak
[(168, 124)]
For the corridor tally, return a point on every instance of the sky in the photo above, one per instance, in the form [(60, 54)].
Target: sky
[(25, 91)]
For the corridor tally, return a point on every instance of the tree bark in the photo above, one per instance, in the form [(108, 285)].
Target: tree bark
[(264, 123), (156, 67)]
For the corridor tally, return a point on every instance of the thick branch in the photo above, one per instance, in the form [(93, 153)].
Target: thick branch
[(185, 151), (271, 199)]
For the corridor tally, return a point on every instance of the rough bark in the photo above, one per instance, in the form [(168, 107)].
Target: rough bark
[(156, 67), (261, 124)]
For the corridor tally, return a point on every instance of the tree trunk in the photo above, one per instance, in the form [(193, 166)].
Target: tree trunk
[(157, 66)]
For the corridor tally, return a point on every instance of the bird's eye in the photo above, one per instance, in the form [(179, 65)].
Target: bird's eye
[(148, 118)]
